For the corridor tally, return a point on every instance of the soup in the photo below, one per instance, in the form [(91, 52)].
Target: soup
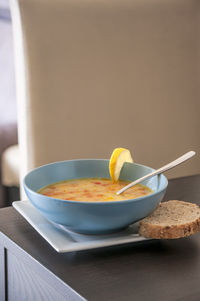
[(93, 189)]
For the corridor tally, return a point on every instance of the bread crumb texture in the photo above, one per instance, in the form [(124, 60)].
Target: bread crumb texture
[(170, 220)]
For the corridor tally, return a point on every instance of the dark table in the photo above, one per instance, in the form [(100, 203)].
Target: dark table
[(152, 270)]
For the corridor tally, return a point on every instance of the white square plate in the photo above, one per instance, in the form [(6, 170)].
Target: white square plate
[(63, 240)]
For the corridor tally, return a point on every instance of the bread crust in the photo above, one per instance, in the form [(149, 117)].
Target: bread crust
[(149, 229)]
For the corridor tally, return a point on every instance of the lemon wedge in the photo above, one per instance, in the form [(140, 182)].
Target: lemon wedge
[(118, 158)]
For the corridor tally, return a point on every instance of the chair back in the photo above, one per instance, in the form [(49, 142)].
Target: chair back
[(95, 75)]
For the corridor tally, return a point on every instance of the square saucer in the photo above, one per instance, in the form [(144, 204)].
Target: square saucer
[(63, 240)]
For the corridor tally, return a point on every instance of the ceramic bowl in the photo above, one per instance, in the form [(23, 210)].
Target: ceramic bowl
[(92, 217)]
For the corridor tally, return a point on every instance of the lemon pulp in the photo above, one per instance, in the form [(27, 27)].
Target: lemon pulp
[(118, 158)]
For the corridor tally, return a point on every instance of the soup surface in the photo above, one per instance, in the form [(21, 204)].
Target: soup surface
[(93, 189)]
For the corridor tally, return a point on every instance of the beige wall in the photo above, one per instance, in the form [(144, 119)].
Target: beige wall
[(101, 74)]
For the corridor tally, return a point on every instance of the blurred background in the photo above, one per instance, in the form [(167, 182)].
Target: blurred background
[(8, 107), (92, 76)]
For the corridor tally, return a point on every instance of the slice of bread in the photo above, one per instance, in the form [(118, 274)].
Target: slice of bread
[(170, 220)]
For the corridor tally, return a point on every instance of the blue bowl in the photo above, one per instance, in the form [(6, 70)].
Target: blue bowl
[(92, 217)]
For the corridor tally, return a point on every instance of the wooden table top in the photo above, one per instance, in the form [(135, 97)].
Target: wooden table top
[(151, 270)]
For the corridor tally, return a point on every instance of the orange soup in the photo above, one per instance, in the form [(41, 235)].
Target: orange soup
[(93, 189)]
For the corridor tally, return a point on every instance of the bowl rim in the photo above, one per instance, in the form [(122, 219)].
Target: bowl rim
[(89, 202)]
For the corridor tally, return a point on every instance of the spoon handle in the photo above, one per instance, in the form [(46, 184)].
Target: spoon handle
[(160, 170)]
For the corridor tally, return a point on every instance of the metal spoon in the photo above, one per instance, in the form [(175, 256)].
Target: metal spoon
[(160, 170)]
